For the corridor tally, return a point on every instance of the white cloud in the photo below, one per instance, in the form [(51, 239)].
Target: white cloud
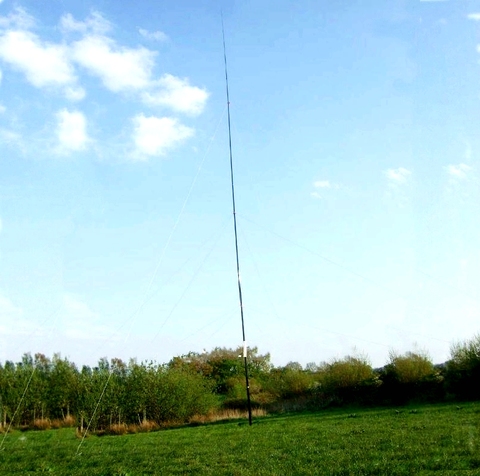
[(80, 321), (11, 321), (19, 19), (1, 76), (44, 64), (2, 108), (459, 171), (474, 16), (322, 184), (468, 151), (94, 23), (119, 68), (153, 35), (153, 136), (7, 308), (9, 137), (398, 176), (71, 131), (74, 93), (177, 94)]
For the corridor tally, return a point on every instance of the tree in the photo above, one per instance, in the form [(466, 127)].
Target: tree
[(411, 376), (463, 369)]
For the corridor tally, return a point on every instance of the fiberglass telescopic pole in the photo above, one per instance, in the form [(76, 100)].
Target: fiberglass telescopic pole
[(235, 232)]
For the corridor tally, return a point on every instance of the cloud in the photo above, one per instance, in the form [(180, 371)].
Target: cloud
[(7, 308), (153, 35), (71, 131), (9, 137), (124, 69), (322, 184), (74, 93), (2, 108), (1, 225), (177, 94), (119, 68), (19, 19), (81, 322), (44, 64), (398, 176), (11, 318), (94, 23), (474, 16), (468, 151), (459, 171), (153, 136)]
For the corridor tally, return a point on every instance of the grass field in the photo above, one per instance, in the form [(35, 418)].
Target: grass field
[(433, 439)]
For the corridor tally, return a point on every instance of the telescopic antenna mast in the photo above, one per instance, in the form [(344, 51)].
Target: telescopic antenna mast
[(235, 233)]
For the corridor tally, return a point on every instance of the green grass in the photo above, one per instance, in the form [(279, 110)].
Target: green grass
[(423, 440)]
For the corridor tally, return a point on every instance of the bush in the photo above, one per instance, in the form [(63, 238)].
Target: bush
[(463, 369), (347, 380), (117, 429), (41, 424), (289, 382), (69, 421), (411, 376), (177, 395)]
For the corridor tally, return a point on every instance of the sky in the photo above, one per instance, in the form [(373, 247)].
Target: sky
[(356, 152)]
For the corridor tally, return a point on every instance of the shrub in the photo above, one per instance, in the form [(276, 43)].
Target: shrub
[(222, 415), (69, 421), (463, 369), (411, 367), (41, 424), (411, 376), (177, 395), (147, 426), (347, 380), (56, 424), (288, 382), (143, 427), (117, 429)]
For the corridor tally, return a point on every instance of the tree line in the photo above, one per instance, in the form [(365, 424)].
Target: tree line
[(40, 391)]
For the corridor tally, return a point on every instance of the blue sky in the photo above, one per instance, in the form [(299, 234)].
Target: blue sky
[(356, 154)]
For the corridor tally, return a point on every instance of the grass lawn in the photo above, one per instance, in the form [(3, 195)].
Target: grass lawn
[(422, 440)]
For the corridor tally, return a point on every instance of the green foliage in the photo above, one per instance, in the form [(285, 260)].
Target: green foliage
[(410, 368), (37, 391), (348, 372), (411, 376), (176, 395), (113, 393), (223, 366), (289, 382), (463, 369), (347, 380)]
